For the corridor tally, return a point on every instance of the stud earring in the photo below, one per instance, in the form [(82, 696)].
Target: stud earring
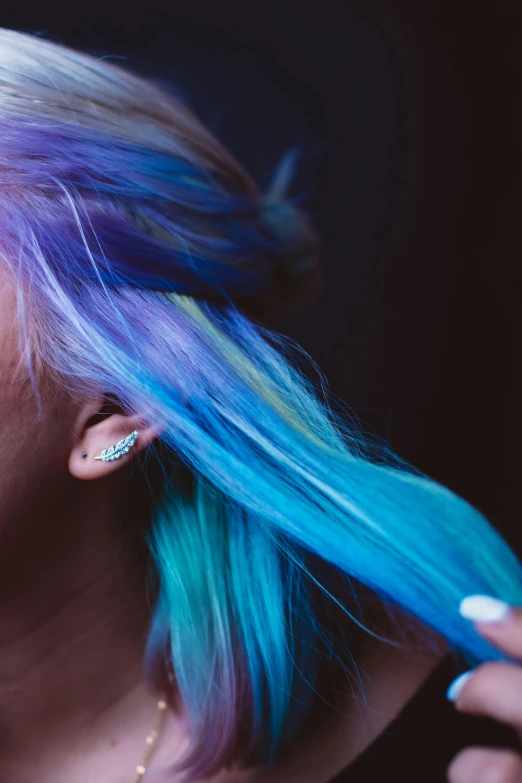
[(119, 449)]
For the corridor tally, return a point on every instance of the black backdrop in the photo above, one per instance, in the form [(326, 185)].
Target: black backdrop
[(410, 118)]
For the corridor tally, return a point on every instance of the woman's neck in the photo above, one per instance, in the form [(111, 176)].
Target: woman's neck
[(73, 628)]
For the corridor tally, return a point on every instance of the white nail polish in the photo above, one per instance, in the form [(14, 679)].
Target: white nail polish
[(457, 685), (483, 608)]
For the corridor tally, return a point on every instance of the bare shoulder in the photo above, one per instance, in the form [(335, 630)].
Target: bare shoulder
[(332, 741), (394, 671)]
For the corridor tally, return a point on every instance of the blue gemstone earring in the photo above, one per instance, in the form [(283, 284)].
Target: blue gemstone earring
[(119, 449)]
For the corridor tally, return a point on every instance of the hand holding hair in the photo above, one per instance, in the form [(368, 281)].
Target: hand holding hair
[(493, 689)]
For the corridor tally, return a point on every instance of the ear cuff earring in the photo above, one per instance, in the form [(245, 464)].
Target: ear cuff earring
[(118, 450)]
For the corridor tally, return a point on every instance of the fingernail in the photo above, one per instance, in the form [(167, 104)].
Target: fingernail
[(483, 608), (457, 685)]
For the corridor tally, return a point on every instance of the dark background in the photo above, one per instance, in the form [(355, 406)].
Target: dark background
[(409, 115)]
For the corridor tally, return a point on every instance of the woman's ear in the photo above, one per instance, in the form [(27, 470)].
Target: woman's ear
[(99, 425)]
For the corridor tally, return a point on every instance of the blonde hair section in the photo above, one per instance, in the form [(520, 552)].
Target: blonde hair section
[(50, 81)]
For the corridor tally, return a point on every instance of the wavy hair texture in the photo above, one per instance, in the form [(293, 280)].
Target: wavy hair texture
[(134, 239)]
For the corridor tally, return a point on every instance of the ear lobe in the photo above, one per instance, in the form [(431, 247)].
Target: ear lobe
[(108, 445)]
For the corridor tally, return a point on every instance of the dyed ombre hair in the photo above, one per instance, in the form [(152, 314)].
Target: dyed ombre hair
[(144, 258)]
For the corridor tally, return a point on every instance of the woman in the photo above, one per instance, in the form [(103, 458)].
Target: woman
[(207, 574)]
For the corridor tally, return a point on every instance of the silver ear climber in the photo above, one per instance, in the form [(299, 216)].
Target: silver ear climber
[(119, 449)]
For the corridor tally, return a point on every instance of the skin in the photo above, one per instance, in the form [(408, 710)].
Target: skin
[(74, 616)]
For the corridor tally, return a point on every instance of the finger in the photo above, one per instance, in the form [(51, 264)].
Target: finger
[(485, 765), (496, 620), (493, 689)]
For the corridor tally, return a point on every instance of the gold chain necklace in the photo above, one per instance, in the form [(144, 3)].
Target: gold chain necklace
[(151, 738)]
